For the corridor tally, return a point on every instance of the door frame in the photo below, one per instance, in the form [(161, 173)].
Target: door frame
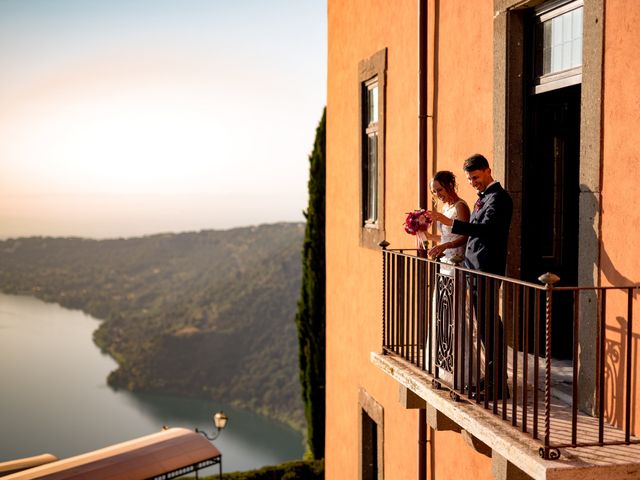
[(508, 133)]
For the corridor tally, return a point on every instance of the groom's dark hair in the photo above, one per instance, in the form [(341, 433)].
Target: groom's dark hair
[(475, 162)]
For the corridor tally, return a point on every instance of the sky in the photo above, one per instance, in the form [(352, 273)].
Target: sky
[(123, 118)]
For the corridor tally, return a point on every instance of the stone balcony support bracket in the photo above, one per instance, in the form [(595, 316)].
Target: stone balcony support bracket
[(478, 445), (440, 422), (503, 469), (409, 399)]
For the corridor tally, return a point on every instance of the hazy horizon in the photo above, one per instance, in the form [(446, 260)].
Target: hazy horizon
[(130, 118), (186, 213)]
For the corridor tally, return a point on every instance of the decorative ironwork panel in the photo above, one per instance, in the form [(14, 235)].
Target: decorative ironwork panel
[(444, 320)]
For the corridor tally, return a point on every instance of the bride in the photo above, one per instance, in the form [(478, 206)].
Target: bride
[(450, 247)]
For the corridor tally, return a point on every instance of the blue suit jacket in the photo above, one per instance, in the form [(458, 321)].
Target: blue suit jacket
[(488, 231)]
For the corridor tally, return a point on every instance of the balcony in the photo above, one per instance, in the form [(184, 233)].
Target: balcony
[(476, 350)]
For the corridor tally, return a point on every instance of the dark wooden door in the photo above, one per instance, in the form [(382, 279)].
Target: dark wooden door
[(550, 201)]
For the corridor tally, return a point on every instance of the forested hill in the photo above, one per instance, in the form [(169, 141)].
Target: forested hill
[(207, 314)]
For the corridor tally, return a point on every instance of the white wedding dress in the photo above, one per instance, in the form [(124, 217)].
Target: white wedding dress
[(444, 349), (451, 254)]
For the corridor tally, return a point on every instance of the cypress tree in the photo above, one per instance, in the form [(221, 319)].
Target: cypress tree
[(310, 317)]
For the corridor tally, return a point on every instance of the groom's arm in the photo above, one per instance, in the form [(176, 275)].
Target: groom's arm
[(496, 215)]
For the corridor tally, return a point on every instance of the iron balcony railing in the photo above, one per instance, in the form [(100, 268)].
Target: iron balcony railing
[(489, 338)]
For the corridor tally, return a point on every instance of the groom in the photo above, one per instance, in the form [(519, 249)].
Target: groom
[(487, 232), (488, 227)]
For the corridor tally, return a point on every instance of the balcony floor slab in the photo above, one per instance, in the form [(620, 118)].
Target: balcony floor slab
[(519, 448)]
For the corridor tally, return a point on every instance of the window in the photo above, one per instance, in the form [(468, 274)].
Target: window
[(371, 78), (370, 160), (369, 448), (558, 45), (371, 438)]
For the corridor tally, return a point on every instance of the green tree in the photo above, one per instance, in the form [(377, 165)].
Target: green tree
[(310, 317)]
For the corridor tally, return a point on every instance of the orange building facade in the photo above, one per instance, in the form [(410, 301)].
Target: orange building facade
[(549, 92)]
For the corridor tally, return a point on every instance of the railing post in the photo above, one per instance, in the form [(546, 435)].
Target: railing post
[(629, 333), (459, 325), (549, 279), (383, 245)]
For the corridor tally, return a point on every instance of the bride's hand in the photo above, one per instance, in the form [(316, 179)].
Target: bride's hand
[(437, 251), (435, 215), (440, 217)]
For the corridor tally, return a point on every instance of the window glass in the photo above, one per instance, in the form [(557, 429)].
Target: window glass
[(372, 174), (560, 42), (373, 103)]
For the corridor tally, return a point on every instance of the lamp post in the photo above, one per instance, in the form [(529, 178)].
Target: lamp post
[(219, 421)]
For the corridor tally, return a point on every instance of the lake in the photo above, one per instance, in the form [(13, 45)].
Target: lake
[(55, 398)]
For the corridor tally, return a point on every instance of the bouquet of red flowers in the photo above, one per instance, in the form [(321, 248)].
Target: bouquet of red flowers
[(417, 223)]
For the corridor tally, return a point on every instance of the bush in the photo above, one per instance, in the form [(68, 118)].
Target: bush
[(298, 470)]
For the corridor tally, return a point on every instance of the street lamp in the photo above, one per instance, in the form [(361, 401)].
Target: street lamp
[(220, 421)]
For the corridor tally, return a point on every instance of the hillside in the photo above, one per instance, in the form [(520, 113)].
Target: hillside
[(207, 314)]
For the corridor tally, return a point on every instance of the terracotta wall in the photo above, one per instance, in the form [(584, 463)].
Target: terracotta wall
[(621, 147), (619, 250), (464, 97), (358, 29)]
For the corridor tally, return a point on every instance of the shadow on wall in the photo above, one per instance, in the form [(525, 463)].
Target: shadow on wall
[(617, 361), (620, 353), (589, 207)]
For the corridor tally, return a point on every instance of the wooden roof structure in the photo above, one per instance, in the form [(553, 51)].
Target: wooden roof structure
[(19, 464), (168, 454)]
